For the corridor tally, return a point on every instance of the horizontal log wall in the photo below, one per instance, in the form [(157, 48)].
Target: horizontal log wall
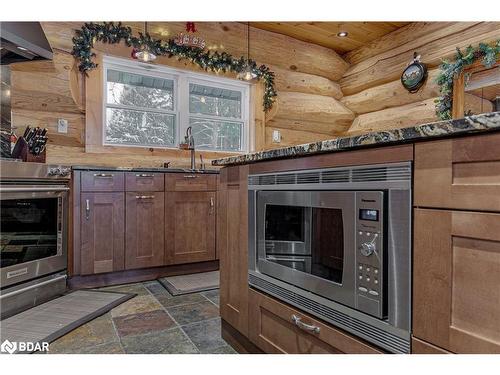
[(372, 87), (45, 91)]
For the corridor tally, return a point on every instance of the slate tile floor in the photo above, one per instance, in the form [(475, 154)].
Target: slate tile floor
[(152, 322)]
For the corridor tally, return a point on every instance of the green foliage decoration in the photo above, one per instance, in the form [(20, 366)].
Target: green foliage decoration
[(109, 32), (487, 53)]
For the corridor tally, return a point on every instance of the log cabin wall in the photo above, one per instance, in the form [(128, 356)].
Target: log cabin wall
[(308, 106), (372, 87)]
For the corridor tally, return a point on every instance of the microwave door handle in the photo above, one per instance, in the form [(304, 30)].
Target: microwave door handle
[(29, 189)]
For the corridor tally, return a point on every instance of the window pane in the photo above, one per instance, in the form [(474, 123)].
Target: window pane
[(141, 128), (216, 135), (214, 101), (139, 91)]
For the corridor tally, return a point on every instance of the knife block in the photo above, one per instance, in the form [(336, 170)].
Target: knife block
[(22, 151)]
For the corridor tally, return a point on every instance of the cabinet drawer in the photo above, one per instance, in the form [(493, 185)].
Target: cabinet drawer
[(461, 173), (456, 273), (190, 182), (273, 330), (143, 181), (103, 181)]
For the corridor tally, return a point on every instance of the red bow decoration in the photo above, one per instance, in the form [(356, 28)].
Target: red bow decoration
[(190, 27)]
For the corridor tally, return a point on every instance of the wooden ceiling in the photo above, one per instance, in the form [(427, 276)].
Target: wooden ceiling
[(325, 33)]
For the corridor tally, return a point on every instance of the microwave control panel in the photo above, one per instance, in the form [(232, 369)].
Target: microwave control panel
[(369, 254)]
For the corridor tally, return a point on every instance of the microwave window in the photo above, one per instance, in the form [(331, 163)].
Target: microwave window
[(28, 230), (370, 215), (284, 223)]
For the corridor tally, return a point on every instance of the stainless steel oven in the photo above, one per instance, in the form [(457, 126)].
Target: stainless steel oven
[(33, 234), (337, 243)]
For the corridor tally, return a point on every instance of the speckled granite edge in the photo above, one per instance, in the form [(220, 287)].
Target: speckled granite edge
[(142, 169), (472, 124)]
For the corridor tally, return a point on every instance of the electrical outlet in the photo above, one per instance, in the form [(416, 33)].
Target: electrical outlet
[(276, 136), (62, 125)]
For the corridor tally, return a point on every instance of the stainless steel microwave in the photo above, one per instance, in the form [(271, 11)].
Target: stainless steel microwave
[(337, 243)]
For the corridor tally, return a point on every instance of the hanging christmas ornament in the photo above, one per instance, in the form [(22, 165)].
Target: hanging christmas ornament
[(133, 54), (247, 74), (189, 39), (145, 54)]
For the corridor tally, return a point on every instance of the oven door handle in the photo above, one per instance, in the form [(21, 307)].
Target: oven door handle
[(29, 189), (25, 289), (289, 259)]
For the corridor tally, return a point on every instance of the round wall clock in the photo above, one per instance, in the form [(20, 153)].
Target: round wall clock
[(414, 75)]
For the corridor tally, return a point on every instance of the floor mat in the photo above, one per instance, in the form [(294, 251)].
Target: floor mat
[(196, 282), (53, 319)]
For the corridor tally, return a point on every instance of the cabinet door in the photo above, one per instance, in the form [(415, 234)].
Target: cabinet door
[(190, 227), (102, 232), (459, 173), (456, 274), (145, 223), (232, 247), (279, 328)]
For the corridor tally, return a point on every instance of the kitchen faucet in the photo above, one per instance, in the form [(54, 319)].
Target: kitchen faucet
[(189, 145)]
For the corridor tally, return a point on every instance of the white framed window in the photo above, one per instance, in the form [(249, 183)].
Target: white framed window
[(149, 105)]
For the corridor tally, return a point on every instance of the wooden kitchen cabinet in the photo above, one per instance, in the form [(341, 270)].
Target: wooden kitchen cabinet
[(232, 246), (190, 182), (102, 181), (190, 219), (422, 347), (456, 273), (102, 218), (144, 230), (140, 181), (458, 173), (273, 330)]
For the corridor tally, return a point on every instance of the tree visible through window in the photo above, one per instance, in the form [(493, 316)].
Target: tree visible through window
[(149, 110)]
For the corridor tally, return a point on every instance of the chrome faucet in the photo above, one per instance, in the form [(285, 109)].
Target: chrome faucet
[(189, 145)]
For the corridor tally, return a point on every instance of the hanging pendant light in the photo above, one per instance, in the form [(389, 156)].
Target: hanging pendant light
[(247, 74), (145, 54)]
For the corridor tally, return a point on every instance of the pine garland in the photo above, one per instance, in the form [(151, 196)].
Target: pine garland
[(109, 32), (450, 70)]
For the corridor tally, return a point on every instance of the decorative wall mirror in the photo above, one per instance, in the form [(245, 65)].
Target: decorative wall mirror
[(476, 90)]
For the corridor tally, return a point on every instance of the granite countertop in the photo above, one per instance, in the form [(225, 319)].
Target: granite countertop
[(441, 129), (143, 169)]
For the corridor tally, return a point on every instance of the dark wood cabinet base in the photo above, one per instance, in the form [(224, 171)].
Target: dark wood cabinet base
[(134, 276), (239, 342)]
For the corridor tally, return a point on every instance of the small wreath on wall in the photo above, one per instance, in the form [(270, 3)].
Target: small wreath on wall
[(109, 32), (414, 75), (488, 54)]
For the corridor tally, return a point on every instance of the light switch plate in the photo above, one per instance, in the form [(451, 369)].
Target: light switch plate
[(62, 125), (276, 136)]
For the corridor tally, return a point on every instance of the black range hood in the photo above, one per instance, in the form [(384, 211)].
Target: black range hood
[(23, 41)]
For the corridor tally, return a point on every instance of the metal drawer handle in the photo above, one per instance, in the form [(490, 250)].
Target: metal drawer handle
[(22, 290), (144, 196), (144, 175), (87, 209), (306, 327), (286, 259), (190, 176), (103, 175), (211, 205)]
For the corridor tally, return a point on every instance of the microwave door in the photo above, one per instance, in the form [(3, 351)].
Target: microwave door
[(324, 238)]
